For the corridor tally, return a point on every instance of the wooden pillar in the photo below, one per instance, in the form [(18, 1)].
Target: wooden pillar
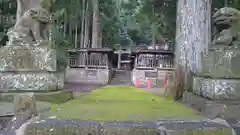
[(193, 35)]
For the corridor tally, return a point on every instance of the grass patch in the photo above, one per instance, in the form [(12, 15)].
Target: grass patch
[(57, 98), (121, 104)]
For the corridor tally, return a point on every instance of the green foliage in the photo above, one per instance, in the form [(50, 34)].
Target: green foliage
[(217, 4), (148, 18), (110, 24), (122, 21), (47, 4), (61, 45), (8, 7), (8, 11)]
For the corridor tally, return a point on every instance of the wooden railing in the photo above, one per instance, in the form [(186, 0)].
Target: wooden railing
[(154, 59), (88, 59)]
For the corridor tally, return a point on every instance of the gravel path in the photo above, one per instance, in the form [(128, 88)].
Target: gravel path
[(82, 87)]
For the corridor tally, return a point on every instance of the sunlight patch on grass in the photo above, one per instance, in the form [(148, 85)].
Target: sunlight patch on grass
[(121, 104)]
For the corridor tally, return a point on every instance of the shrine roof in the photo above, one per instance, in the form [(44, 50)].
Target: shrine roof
[(151, 51)]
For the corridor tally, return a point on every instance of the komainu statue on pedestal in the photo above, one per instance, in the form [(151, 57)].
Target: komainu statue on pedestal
[(220, 72), (28, 62), (226, 27), (33, 16), (28, 47)]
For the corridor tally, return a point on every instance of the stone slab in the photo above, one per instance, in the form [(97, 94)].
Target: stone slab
[(211, 109), (68, 127), (221, 63), (88, 76), (164, 127), (129, 129), (217, 89), (31, 81), (56, 97), (27, 58)]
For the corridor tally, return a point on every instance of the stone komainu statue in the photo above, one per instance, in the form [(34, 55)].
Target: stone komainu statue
[(25, 103), (226, 30), (33, 16)]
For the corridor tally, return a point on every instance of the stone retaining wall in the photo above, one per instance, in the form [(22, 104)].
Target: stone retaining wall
[(88, 76)]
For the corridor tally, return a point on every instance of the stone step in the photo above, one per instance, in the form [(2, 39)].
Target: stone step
[(210, 108), (121, 77)]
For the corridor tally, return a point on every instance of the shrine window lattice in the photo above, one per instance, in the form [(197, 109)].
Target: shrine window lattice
[(151, 61), (90, 60)]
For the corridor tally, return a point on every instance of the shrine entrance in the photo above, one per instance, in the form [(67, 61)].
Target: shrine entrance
[(89, 66), (94, 66), (123, 59), (122, 67)]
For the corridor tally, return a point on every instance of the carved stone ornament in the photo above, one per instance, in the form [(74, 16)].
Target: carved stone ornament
[(31, 24), (226, 27)]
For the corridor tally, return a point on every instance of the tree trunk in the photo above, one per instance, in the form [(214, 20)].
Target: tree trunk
[(153, 39), (65, 25), (82, 24), (95, 25), (71, 34), (76, 36), (86, 27), (153, 32), (100, 39)]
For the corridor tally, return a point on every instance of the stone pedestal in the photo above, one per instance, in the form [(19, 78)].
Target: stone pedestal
[(219, 78), (143, 76), (217, 89), (156, 77), (27, 58), (29, 68), (221, 62), (88, 76), (31, 81)]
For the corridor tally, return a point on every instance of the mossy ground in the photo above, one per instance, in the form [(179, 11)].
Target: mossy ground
[(121, 104)]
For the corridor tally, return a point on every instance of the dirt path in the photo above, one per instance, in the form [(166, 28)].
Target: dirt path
[(81, 87)]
